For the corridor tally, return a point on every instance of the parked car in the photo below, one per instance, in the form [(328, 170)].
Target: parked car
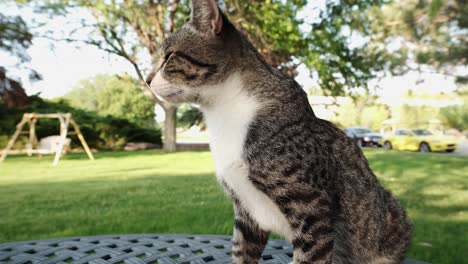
[(419, 140), (363, 136)]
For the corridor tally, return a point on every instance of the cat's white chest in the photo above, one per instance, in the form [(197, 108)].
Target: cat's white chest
[(228, 123)]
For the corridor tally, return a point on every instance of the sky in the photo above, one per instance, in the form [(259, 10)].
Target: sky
[(64, 65)]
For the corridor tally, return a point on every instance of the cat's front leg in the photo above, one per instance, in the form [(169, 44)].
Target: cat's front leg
[(249, 239), (316, 251), (314, 235)]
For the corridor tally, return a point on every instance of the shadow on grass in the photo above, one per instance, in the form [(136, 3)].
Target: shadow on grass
[(431, 188), (103, 154), (149, 203), (136, 196)]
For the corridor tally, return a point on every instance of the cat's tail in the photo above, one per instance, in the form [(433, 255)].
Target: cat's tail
[(397, 238)]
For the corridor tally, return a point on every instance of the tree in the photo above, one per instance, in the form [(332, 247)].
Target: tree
[(455, 116), (427, 32), (362, 111), (118, 96), (189, 116), (131, 28), (411, 116), (127, 29), (14, 39), (12, 93), (374, 115), (14, 36)]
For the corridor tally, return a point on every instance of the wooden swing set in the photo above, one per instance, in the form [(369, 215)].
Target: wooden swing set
[(31, 119)]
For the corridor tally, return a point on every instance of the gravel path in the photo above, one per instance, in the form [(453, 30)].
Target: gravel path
[(462, 148)]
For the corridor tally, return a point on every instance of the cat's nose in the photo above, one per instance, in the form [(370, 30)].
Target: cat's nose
[(149, 78)]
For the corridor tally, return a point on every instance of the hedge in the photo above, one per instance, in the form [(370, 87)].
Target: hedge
[(100, 132)]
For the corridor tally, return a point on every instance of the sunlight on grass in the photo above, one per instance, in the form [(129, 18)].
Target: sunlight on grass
[(434, 190), (151, 192)]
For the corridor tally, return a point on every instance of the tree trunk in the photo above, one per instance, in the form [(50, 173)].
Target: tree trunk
[(169, 141)]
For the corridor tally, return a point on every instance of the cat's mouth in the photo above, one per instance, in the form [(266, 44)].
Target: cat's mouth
[(168, 94), (172, 94), (164, 90)]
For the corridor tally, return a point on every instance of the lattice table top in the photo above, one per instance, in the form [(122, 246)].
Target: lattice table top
[(136, 249)]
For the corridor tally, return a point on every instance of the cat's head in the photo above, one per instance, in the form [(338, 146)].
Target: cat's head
[(197, 57)]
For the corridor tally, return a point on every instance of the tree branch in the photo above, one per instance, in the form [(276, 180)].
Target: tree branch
[(121, 51), (87, 42), (445, 73), (135, 66), (153, 13), (172, 15)]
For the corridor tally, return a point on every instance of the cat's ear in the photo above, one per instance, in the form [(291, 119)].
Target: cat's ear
[(206, 16)]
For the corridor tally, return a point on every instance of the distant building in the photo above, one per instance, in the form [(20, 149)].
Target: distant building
[(439, 103), (326, 107)]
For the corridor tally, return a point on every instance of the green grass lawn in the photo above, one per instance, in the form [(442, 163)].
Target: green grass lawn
[(151, 192)]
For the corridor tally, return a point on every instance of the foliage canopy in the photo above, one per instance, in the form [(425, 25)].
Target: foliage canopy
[(15, 37), (281, 30), (118, 96), (424, 32)]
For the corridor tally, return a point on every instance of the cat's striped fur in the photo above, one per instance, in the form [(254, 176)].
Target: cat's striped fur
[(285, 170)]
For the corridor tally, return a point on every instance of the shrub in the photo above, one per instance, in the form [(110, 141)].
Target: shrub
[(102, 132), (455, 116)]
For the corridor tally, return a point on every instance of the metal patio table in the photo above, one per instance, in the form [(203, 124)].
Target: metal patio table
[(136, 249)]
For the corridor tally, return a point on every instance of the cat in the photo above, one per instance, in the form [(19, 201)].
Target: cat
[(285, 170)]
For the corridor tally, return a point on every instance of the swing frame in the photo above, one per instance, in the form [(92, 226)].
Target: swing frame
[(65, 120)]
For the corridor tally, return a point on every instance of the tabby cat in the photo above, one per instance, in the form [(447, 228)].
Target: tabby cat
[(285, 170)]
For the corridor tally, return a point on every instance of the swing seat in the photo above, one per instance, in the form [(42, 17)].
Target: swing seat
[(49, 145)]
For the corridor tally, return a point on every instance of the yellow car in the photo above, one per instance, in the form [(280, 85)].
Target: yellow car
[(419, 140)]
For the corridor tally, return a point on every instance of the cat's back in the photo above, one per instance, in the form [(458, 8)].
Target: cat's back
[(293, 148)]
